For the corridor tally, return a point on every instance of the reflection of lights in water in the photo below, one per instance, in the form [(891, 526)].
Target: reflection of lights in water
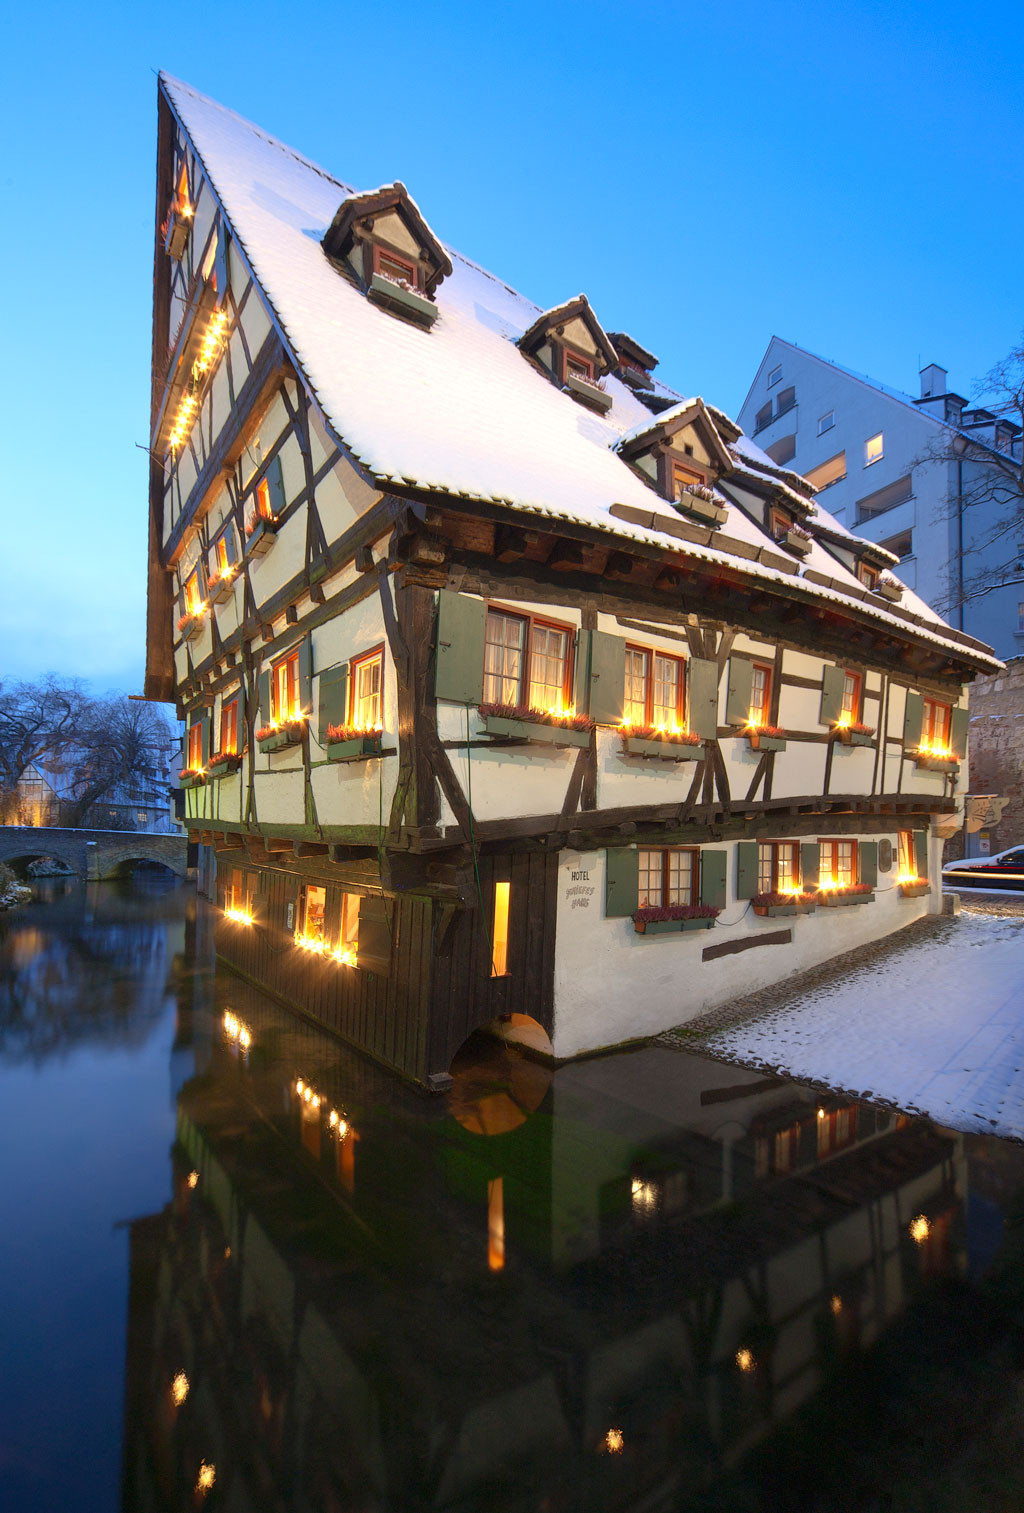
[(821, 1113), (836, 1304), (645, 1196), (745, 1360), (207, 1476), (338, 1124), (193, 1179), (496, 1224), (234, 1029), (613, 1442), (227, 1252), (920, 1229), (179, 1389)]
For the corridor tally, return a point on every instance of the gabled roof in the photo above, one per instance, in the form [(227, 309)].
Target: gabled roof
[(455, 409), (354, 208), (693, 412), (573, 309), (631, 350)]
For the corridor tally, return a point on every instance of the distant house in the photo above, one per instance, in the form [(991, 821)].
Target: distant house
[(144, 804), (514, 681), (886, 466)]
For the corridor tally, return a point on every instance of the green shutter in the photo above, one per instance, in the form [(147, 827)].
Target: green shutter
[(459, 671), (702, 698), (741, 683), (958, 733), (306, 676), (333, 699), (275, 486), (266, 714), (220, 263), (606, 690), (913, 721), (867, 853), (921, 852), (229, 544), (712, 878), (373, 946), (581, 672), (746, 868), (621, 881), (810, 865), (833, 685)]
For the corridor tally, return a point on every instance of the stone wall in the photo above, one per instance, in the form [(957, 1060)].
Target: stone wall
[(997, 752)]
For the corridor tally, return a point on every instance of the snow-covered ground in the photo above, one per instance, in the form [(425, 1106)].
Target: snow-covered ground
[(937, 1029)]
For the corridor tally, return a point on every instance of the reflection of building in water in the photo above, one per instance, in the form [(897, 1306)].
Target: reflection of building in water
[(364, 1304)]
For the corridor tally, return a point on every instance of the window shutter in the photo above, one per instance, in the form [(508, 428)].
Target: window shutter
[(958, 733), (306, 676), (712, 878), (913, 720), (220, 263), (373, 947), (867, 853), (921, 852), (333, 699), (741, 683), (702, 698), (606, 676), (810, 865), (621, 881), (459, 670), (833, 684), (265, 715), (275, 486), (746, 869), (229, 545)]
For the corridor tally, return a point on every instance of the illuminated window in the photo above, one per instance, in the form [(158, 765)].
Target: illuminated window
[(496, 1223), (577, 366), (264, 508), (873, 449), (350, 922), (394, 267), (655, 689), (240, 890), (777, 866), (837, 863), (760, 695), (504, 657), (312, 912), (830, 471), (867, 574), (195, 746), (499, 932), (668, 877), (906, 858), (229, 728), (851, 698), (638, 673), (935, 724), (220, 555), (367, 688), (193, 593), (526, 661), (549, 654), (826, 422), (284, 689)]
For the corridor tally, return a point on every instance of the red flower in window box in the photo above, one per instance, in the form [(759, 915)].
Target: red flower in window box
[(567, 721), (771, 904), (655, 919), (851, 894), (652, 733)]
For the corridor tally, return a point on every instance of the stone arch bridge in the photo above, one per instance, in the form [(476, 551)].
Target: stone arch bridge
[(93, 854)]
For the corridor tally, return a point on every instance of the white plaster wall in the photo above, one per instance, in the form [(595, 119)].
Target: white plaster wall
[(280, 794)]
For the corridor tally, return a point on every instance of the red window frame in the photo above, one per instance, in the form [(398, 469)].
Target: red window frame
[(763, 715), (779, 522), (192, 592), (829, 858), (220, 557), (195, 747), (650, 656), (934, 713), (867, 575), (532, 623), (264, 508), (409, 270), (571, 355), (666, 853), (375, 654), (855, 702), (290, 662), (229, 728), (771, 883)]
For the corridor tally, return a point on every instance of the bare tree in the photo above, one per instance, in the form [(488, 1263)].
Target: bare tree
[(39, 723), (121, 744)]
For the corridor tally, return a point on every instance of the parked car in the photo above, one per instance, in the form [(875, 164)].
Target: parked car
[(1004, 870)]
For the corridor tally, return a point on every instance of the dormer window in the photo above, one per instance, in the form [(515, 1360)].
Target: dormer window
[(681, 455), (779, 523), (577, 366), (394, 267), (568, 344), (381, 242), (867, 575), (685, 479)]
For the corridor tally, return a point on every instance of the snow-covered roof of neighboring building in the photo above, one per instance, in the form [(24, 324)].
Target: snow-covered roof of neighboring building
[(457, 409)]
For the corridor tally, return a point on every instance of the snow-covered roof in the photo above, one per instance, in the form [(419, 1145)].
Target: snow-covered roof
[(457, 409)]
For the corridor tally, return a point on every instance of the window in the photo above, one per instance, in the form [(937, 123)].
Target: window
[(837, 863), (668, 877), (655, 689), (394, 267), (826, 422), (760, 695), (836, 1129), (195, 747), (220, 555), (193, 593), (867, 574), (901, 546), (777, 867), (499, 930), (885, 499), (367, 685), (575, 365), (786, 1145), (526, 661), (774, 377), (312, 913), (783, 450), (350, 922), (935, 725), (785, 400), (264, 508), (684, 479), (240, 890), (284, 689), (827, 473), (906, 855), (779, 522), (850, 713), (229, 728), (873, 449), (763, 417)]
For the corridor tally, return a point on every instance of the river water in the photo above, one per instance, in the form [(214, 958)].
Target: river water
[(242, 1268)]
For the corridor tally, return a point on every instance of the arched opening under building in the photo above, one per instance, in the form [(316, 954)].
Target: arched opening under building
[(498, 1080)]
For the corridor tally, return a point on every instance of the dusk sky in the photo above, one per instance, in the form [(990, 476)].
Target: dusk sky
[(848, 178)]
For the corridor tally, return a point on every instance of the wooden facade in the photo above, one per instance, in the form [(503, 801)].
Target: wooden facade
[(361, 649)]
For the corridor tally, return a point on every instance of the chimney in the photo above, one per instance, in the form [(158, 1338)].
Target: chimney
[(933, 381)]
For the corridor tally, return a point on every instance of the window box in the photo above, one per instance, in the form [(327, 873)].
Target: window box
[(355, 748), (839, 898), (176, 233), (388, 291), (191, 779), (850, 735), (704, 510), (916, 888), (276, 737), (889, 588), (664, 747), (220, 765), (670, 926), (191, 626), (796, 541), (762, 740), (261, 538), (590, 393), (768, 906), (219, 589), (929, 762), (533, 730)]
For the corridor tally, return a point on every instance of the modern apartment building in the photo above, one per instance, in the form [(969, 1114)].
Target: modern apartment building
[(912, 475)]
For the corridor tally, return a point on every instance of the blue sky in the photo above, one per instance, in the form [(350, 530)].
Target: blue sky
[(847, 177)]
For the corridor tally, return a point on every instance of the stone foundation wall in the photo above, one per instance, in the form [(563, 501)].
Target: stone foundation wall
[(997, 752)]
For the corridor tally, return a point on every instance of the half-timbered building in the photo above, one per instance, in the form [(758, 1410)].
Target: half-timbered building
[(516, 683)]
